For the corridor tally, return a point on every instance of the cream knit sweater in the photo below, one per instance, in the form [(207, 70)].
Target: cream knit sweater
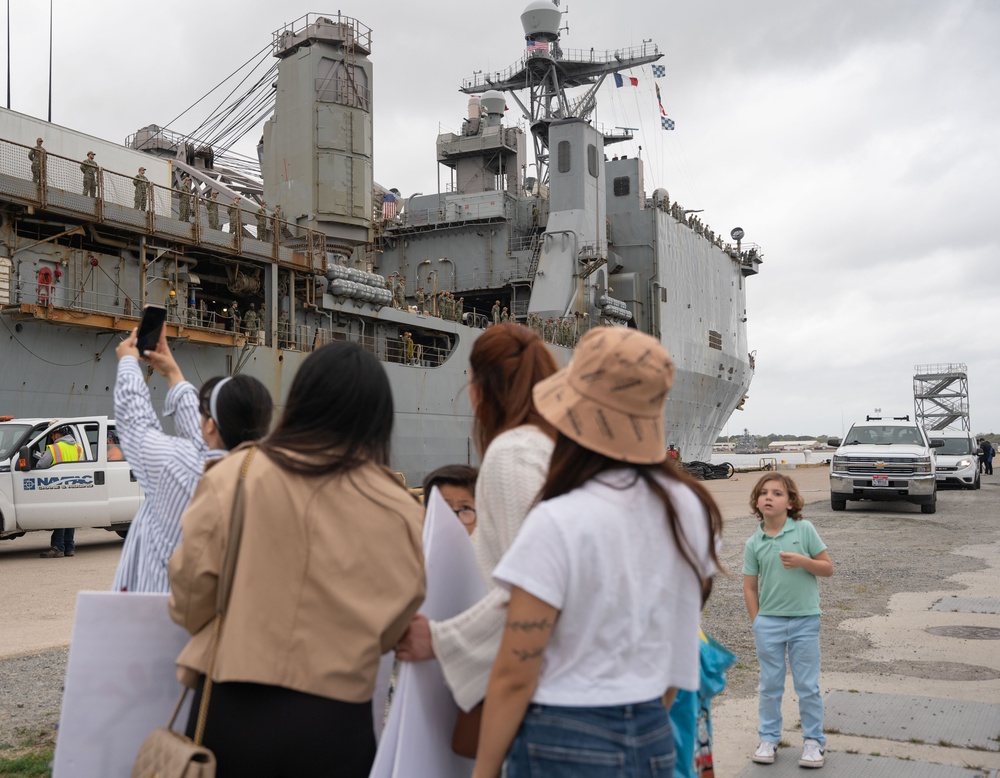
[(510, 478)]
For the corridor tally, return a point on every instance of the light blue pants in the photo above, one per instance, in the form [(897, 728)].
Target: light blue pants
[(799, 636)]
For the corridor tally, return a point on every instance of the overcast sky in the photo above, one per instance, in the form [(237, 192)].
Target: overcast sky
[(856, 143)]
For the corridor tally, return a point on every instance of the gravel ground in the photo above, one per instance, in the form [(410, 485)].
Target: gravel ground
[(878, 550), (31, 694)]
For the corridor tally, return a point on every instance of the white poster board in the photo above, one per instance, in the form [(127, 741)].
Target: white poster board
[(120, 682), (416, 741)]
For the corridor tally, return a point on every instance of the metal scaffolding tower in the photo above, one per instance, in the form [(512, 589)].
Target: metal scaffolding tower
[(941, 396)]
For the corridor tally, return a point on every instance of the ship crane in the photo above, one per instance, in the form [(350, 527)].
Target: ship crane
[(547, 71)]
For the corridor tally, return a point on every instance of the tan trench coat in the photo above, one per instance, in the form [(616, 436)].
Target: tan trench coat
[(330, 573)]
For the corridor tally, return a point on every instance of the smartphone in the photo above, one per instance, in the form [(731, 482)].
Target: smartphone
[(150, 326)]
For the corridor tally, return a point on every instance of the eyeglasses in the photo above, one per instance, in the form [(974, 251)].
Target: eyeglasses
[(467, 514)]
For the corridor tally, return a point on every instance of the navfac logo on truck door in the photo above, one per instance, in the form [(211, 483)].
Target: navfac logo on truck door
[(59, 482)]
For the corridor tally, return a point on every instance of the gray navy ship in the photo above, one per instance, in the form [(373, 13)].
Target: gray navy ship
[(258, 267)]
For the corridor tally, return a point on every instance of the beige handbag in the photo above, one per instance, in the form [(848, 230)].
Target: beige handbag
[(168, 754)]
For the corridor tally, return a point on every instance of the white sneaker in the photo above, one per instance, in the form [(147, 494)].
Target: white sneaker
[(813, 754), (765, 753)]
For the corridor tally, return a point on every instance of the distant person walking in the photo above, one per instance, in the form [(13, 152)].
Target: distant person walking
[(141, 184), (781, 562), (36, 157), (986, 454), (89, 169)]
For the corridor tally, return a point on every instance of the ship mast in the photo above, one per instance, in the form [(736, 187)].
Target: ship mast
[(547, 71)]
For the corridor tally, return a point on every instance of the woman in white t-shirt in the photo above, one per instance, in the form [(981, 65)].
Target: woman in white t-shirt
[(607, 578)]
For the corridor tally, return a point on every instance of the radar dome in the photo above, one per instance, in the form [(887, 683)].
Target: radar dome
[(493, 102), (540, 21)]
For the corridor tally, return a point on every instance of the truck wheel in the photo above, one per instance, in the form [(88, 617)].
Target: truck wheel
[(838, 505), (978, 484), (928, 508)]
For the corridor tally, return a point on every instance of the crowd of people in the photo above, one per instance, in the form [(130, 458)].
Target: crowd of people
[(597, 552)]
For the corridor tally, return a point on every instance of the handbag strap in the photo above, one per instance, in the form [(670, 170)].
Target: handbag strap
[(222, 597)]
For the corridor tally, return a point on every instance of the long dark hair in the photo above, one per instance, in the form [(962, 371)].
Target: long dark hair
[(572, 466), (243, 409), (338, 415), (507, 361)]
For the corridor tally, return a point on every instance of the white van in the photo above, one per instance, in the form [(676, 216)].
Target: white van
[(92, 492), (957, 459)]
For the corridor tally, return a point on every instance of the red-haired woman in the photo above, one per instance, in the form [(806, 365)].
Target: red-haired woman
[(515, 444)]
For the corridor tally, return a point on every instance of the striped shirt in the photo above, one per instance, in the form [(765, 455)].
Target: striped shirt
[(167, 467)]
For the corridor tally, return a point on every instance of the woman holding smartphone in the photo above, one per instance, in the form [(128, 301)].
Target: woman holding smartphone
[(226, 412)]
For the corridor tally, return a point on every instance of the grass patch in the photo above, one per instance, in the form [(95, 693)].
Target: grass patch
[(832, 731), (31, 757), (915, 740)]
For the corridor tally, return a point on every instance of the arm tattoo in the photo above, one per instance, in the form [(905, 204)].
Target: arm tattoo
[(530, 626), (526, 655)]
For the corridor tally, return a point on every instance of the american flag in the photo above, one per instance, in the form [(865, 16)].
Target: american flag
[(389, 206), (538, 46)]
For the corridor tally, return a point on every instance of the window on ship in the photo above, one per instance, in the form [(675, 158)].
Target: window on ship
[(622, 186), (564, 156), (592, 160)]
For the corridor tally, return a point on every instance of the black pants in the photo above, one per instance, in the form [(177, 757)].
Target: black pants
[(259, 731)]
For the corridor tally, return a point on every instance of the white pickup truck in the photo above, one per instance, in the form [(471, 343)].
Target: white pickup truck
[(93, 492)]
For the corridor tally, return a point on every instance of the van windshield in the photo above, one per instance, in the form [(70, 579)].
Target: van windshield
[(11, 438), (956, 447)]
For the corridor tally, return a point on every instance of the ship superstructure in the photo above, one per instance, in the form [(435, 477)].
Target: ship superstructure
[(258, 272)]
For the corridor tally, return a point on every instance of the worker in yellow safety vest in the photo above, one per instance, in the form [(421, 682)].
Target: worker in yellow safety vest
[(63, 448)]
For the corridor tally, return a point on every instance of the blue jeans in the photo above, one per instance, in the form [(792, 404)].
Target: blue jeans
[(799, 635), (64, 539), (621, 741)]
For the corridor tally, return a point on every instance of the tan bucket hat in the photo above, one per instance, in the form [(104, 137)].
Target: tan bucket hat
[(610, 398)]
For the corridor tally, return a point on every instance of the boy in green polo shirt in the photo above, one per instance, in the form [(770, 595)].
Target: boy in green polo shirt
[(781, 561)]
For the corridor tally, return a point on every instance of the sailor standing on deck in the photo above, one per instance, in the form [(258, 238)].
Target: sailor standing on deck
[(89, 169), (262, 221), (234, 215), (212, 210), (184, 201), (37, 158), (141, 184)]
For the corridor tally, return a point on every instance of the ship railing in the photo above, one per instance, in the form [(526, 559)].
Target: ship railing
[(454, 211), (321, 26), (304, 337), (48, 291), (121, 200), (617, 56)]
